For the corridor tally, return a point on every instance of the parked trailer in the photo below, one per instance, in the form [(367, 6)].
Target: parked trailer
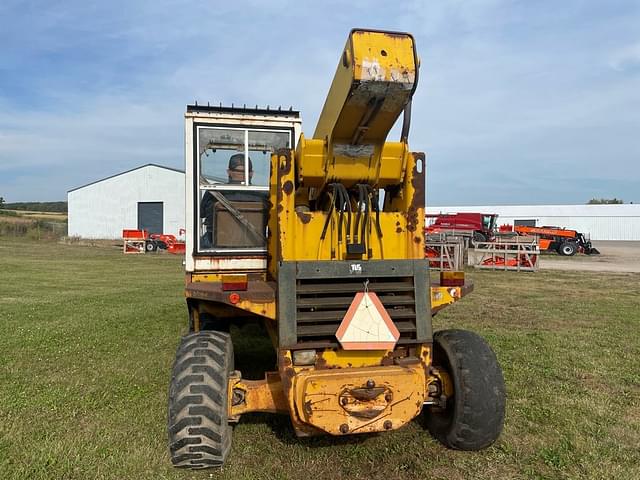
[(445, 252), (141, 241), (518, 254)]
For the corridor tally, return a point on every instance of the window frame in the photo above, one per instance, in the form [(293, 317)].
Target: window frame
[(244, 187)]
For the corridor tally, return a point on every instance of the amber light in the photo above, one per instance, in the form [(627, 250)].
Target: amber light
[(234, 282), (452, 279)]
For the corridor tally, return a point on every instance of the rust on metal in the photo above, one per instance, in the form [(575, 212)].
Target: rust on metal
[(287, 373), (393, 355), (284, 161), (361, 398), (304, 217), (258, 298), (417, 199), (258, 395), (287, 188), (321, 362), (418, 180), (257, 291)]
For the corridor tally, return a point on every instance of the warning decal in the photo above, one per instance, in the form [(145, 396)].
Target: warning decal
[(367, 325)]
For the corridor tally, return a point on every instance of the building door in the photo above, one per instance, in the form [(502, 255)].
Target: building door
[(150, 216), (524, 223)]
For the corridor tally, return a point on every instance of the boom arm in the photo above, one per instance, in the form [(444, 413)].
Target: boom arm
[(373, 84), (325, 197)]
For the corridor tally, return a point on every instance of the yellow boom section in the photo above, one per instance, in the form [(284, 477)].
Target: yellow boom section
[(373, 84), (326, 195)]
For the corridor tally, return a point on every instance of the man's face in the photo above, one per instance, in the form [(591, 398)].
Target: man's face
[(236, 175)]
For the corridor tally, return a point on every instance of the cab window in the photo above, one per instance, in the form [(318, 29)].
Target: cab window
[(233, 187)]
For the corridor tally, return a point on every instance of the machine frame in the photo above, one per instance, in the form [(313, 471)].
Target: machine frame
[(345, 225)]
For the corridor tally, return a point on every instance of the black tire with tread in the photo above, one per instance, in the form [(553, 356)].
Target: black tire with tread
[(568, 249), (474, 416), (198, 427), (479, 237)]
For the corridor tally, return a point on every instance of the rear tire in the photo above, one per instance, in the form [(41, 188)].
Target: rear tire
[(568, 249), (199, 430), (479, 237), (474, 416)]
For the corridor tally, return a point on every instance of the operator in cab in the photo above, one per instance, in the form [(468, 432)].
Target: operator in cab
[(236, 176)]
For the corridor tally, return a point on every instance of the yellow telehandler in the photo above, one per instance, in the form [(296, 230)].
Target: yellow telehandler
[(321, 240)]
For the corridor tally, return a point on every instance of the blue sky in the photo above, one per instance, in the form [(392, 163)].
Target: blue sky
[(519, 102)]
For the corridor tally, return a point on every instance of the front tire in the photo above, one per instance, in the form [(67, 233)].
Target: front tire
[(479, 237), (568, 249), (199, 430), (474, 416)]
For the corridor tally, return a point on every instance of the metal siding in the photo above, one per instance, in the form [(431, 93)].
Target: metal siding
[(104, 209), (602, 222)]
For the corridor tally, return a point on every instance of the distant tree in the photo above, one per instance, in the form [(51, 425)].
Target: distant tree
[(604, 201), (1, 202), (59, 207)]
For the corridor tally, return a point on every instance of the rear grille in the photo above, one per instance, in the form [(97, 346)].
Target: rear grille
[(321, 304)]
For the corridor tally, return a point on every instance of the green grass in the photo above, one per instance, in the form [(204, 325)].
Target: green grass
[(88, 338)]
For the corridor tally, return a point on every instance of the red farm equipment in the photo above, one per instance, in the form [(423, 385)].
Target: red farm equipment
[(479, 226), (140, 241)]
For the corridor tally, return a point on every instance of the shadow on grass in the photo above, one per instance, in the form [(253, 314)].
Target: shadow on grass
[(254, 353), (281, 427)]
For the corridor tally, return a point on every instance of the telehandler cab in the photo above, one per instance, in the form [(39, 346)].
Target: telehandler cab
[(321, 239)]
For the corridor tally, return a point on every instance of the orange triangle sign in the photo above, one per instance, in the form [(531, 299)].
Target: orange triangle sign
[(367, 325)]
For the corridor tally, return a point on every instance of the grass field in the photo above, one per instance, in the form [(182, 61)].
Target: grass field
[(88, 338)]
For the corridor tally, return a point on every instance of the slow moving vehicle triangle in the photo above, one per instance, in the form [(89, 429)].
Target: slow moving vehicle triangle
[(367, 325)]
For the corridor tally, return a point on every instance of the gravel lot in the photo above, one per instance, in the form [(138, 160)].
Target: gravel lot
[(614, 257)]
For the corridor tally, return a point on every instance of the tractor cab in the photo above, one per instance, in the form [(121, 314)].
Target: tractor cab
[(228, 153), (489, 223)]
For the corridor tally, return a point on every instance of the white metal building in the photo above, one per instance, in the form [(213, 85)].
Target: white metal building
[(602, 222), (149, 197)]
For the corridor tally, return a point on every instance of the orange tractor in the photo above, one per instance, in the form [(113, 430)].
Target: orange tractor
[(562, 240)]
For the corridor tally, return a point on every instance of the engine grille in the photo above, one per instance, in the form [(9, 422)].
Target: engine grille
[(314, 296), (321, 304)]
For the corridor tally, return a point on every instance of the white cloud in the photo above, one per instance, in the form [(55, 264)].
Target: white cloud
[(520, 85), (626, 58)]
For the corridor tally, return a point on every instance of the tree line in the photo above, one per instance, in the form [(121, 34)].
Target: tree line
[(57, 207)]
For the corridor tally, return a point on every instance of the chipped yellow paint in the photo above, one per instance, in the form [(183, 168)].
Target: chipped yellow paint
[(441, 296), (351, 358), (297, 234), (380, 169), (360, 400), (219, 277), (256, 395), (267, 309)]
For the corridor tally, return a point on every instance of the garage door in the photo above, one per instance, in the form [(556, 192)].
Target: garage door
[(150, 216)]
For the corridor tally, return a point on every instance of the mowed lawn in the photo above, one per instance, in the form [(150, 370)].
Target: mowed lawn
[(88, 338)]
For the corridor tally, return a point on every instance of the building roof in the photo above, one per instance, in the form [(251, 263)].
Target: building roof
[(588, 210), (127, 171), (290, 112)]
